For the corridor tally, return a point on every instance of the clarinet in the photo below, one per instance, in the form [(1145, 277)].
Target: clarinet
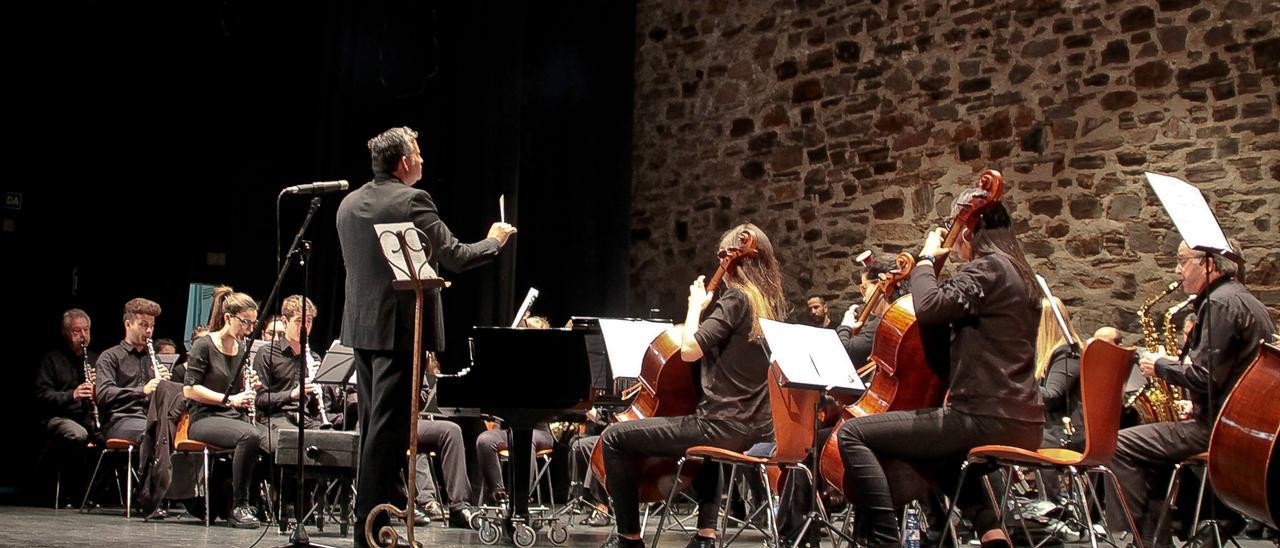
[(91, 377), (249, 376), (156, 368), (311, 375)]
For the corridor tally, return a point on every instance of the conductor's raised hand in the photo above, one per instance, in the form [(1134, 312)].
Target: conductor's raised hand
[(501, 231)]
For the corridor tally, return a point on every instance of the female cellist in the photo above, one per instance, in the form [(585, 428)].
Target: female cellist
[(734, 410), (990, 306)]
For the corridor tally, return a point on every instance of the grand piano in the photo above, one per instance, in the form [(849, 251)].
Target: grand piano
[(527, 376)]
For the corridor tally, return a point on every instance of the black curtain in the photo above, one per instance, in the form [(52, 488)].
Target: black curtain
[(154, 138)]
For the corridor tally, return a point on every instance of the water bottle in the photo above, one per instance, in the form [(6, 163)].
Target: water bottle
[(911, 538)]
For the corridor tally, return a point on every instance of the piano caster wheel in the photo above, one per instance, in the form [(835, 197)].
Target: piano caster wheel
[(488, 532), (523, 536), (477, 521), (558, 535)]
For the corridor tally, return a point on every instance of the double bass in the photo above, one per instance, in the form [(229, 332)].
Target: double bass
[(1243, 466), (668, 387), (909, 361)]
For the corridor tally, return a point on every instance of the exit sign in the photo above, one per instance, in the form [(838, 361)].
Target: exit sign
[(13, 200)]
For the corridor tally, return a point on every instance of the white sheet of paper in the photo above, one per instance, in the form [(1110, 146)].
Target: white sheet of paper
[(1189, 211), (391, 250), (810, 356), (626, 342), (524, 306)]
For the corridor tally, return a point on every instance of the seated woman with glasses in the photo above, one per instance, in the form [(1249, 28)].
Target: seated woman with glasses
[(223, 421)]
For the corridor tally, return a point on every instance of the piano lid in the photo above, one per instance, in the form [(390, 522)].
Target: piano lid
[(539, 372)]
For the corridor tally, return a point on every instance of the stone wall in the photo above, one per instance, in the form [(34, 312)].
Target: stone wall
[(841, 126)]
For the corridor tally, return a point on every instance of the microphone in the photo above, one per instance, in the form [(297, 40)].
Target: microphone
[(316, 188)]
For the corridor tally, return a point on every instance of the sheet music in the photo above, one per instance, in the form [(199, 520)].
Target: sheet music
[(1190, 213), (811, 356), (391, 250), (626, 342), (524, 306)]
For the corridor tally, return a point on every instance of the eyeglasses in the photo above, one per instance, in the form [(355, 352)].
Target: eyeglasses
[(246, 321), (1182, 259)]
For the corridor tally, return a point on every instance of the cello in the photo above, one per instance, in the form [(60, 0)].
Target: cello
[(907, 360), (1243, 466), (668, 387)]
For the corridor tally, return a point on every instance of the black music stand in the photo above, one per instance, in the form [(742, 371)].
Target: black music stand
[(812, 358), (523, 360)]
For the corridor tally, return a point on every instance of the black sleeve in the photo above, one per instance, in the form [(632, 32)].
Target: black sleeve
[(269, 401), (726, 313), (943, 303), (108, 393), (858, 346), (47, 393), (198, 362), (1193, 374), (452, 254), (1064, 373)]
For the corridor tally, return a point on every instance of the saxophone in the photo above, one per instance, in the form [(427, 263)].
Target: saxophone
[(157, 369), (91, 377), (1155, 402)]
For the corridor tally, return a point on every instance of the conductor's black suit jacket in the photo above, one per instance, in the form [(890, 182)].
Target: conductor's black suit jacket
[(375, 316)]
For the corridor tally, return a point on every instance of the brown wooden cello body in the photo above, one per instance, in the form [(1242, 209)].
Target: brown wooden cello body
[(902, 351), (668, 387), (1243, 464)]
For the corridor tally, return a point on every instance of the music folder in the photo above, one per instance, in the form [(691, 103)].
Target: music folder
[(336, 366), (811, 357)]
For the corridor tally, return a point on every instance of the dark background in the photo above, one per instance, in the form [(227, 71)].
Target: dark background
[(147, 135)]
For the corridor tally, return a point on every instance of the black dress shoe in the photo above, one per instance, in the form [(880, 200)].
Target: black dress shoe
[(195, 507), (463, 518), (699, 541), (619, 541), (242, 518)]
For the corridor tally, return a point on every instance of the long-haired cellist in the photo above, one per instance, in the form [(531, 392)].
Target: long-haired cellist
[(723, 330), (990, 306)]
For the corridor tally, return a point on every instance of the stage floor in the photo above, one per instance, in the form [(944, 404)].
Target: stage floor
[(27, 526)]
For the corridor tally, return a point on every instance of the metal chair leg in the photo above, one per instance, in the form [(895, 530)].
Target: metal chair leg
[(1124, 504), (1084, 503), (92, 480), (1170, 497), (208, 509), (128, 484), (666, 508), (964, 470)]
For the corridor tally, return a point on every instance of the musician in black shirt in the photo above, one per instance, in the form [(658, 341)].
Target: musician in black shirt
[(734, 411), (859, 345), (989, 306), (65, 396), (277, 365), (1230, 323), (127, 376), (219, 421)]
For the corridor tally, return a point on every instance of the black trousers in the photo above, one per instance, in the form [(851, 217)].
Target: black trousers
[(490, 442), (244, 437), (936, 439), (383, 379), (443, 438), (125, 428), (1144, 456), (581, 448), (626, 442)]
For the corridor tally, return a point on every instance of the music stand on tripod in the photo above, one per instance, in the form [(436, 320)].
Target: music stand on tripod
[(812, 358)]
